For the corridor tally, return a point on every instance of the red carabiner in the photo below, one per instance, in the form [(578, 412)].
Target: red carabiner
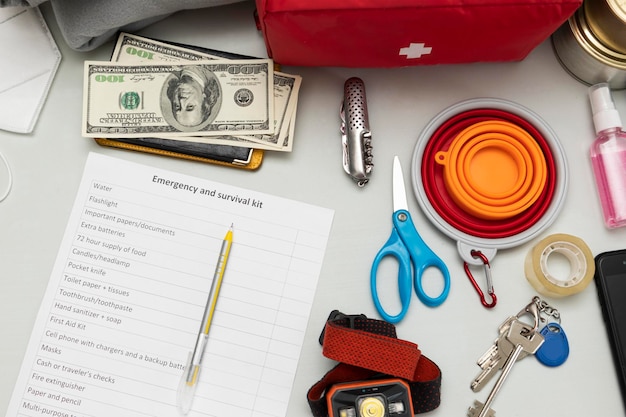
[(490, 291)]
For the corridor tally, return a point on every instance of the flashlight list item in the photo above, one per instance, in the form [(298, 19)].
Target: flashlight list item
[(356, 138), (191, 375)]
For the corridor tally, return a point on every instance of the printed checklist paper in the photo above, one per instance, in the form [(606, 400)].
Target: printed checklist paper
[(128, 291)]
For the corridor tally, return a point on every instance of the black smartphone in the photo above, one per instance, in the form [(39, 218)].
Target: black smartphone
[(610, 277)]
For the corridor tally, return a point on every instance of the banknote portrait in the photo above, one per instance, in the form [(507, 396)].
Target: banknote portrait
[(191, 98)]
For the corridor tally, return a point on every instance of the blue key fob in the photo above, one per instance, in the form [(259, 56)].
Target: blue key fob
[(555, 348)]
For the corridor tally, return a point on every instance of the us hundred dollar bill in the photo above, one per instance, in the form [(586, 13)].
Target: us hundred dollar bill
[(135, 49), (286, 90), (131, 48), (202, 98)]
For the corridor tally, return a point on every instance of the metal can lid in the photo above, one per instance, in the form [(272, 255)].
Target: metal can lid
[(586, 38), (607, 20)]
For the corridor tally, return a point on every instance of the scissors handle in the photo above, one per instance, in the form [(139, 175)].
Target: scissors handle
[(393, 247), (423, 257)]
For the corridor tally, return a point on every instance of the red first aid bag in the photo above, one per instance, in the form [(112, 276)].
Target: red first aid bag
[(394, 33)]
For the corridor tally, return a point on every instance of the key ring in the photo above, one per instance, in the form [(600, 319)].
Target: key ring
[(531, 309), (547, 310)]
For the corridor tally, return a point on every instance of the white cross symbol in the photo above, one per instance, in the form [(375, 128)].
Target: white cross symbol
[(415, 50)]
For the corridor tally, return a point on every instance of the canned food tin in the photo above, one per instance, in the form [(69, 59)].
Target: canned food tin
[(607, 20), (585, 57)]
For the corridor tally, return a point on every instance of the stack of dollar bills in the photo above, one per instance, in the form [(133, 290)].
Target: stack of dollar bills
[(164, 90)]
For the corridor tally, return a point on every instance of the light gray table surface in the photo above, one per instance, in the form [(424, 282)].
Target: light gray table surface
[(47, 167)]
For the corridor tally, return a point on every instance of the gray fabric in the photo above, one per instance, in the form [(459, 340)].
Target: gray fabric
[(24, 3), (88, 24)]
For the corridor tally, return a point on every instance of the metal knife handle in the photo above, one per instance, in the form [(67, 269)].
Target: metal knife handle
[(356, 134)]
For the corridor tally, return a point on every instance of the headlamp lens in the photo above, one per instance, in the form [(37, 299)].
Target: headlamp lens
[(372, 407)]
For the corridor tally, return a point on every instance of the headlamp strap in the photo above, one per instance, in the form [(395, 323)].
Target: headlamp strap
[(367, 348)]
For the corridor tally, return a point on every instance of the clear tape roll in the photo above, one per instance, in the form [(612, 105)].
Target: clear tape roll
[(582, 266)]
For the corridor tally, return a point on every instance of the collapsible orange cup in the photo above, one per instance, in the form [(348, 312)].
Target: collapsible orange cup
[(433, 193), (494, 170), (494, 150)]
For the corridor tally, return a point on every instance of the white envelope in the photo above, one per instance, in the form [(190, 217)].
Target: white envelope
[(29, 58)]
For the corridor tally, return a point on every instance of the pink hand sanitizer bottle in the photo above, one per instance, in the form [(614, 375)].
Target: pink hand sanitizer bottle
[(608, 156)]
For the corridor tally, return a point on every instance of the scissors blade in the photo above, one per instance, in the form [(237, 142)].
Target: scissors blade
[(399, 192)]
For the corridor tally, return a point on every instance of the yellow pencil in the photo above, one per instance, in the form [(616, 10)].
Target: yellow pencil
[(189, 381)]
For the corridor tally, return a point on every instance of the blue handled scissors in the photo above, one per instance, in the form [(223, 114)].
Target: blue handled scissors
[(412, 254)]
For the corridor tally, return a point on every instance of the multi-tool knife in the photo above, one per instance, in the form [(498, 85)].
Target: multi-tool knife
[(356, 136)]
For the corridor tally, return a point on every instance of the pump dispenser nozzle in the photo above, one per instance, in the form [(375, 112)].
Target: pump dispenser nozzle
[(605, 116)]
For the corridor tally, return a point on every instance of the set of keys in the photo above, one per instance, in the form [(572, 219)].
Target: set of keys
[(516, 340)]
